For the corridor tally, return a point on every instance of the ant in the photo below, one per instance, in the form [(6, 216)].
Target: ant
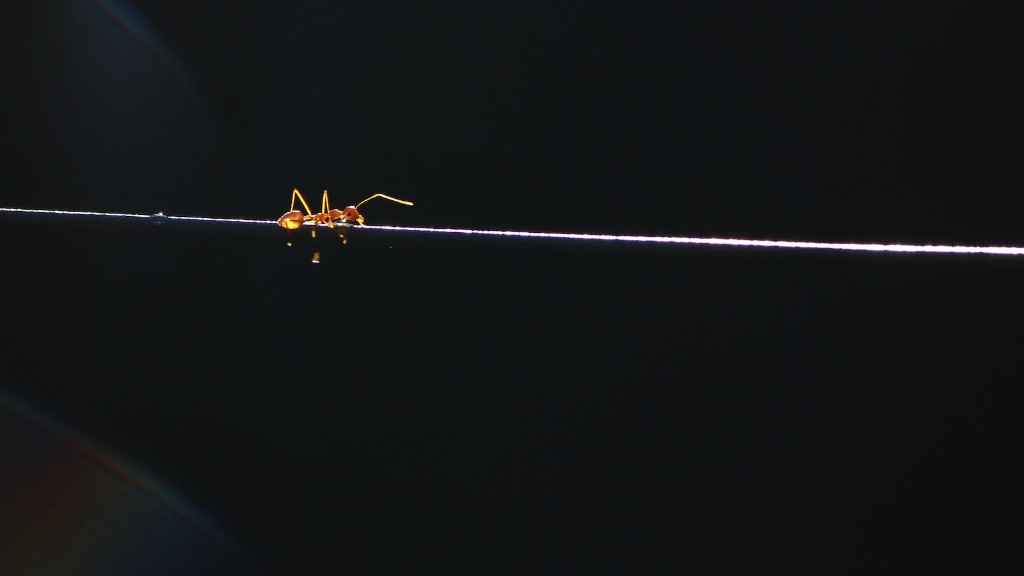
[(294, 219)]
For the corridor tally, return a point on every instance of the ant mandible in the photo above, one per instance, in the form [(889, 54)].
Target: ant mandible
[(294, 219)]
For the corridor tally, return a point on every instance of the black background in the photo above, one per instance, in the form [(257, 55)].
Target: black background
[(417, 403)]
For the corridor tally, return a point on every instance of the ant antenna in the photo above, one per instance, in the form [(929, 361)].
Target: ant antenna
[(386, 197)]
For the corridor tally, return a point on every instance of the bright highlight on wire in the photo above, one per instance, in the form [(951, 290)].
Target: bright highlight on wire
[(905, 248)]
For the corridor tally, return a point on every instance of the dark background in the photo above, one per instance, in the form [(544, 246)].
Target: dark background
[(417, 403)]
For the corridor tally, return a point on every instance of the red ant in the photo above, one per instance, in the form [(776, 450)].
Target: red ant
[(295, 219)]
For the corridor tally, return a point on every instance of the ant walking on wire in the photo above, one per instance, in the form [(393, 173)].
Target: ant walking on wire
[(337, 220)]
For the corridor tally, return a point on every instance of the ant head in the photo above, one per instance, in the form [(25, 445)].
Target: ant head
[(291, 220), (350, 214)]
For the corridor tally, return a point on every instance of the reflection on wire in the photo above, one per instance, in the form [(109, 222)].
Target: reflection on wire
[(997, 250)]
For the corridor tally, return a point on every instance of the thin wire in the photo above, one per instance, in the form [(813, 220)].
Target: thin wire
[(156, 217), (1001, 250), (905, 248)]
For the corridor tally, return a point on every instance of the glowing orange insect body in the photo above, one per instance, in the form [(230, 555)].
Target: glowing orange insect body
[(295, 219)]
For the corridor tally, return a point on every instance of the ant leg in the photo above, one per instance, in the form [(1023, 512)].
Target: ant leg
[(297, 194), (337, 230), (316, 253)]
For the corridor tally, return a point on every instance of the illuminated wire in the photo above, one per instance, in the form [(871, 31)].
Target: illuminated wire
[(156, 217), (911, 248)]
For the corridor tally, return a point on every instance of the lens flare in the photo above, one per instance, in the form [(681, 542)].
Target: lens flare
[(72, 507)]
